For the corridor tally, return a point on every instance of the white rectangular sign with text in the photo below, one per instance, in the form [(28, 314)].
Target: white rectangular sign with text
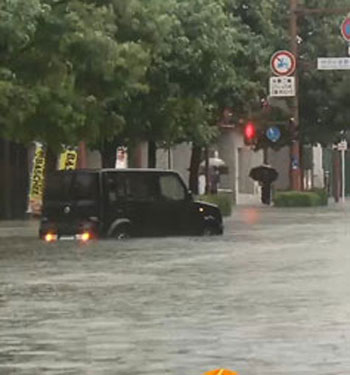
[(333, 63), (282, 86)]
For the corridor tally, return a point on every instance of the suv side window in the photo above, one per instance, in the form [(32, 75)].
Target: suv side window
[(115, 186), (141, 186), (171, 188)]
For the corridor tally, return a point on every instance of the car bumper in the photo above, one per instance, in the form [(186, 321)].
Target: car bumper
[(68, 231)]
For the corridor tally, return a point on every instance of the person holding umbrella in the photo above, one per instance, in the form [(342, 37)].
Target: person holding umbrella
[(216, 167), (265, 175)]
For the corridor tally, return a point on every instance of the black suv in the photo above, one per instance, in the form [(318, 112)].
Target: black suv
[(121, 203)]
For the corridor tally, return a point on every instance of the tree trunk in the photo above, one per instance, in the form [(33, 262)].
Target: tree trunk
[(109, 154), (152, 154), (194, 168), (82, 157), (7, 175), (135, 154)]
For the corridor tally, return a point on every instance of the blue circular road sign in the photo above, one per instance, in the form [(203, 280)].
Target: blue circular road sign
[(273, 133)]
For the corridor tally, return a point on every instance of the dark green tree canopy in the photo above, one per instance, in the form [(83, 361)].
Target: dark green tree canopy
[(159, 70)]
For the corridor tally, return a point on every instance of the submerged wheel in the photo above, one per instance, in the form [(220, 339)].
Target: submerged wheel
[(122, 232), (210, 229)]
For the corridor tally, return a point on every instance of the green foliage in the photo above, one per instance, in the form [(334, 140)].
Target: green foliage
[(323, 111), (126, 70), (323, 194), (65, 77), (300, 199), (203, 57), (18, 24), (322, 93), (223, 201)]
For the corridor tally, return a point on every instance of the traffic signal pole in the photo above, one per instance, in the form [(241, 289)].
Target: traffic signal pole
[(294, 168)]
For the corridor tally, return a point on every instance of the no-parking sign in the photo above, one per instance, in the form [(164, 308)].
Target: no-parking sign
[(345, 29), (283, 63)]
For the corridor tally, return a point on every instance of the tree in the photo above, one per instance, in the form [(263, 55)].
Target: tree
[(68, 74), (323, 109), (199, 64), (119, 71), (18, 23), (323, 113)]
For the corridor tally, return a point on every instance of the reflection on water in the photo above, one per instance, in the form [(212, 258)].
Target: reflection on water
[(251, 215)]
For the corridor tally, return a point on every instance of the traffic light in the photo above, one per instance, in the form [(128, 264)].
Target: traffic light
[(249, 133)]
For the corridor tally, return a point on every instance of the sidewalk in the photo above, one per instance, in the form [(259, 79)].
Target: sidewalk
[(22, 228)]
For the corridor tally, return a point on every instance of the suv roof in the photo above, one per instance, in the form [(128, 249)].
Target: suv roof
[(131, 170)]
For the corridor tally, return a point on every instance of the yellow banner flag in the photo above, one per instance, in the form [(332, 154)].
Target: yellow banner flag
[(37, 180), (68, 160)]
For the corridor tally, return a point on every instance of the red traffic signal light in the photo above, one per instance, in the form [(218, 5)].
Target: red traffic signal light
[(249, 133)]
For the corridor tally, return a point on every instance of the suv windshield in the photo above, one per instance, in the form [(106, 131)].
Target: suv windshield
[(68, 186)]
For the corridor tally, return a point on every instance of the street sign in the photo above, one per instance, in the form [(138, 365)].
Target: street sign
[(333, 63), (342, 146), (273, 133), (345, 29), (282, 86), (283, 63)]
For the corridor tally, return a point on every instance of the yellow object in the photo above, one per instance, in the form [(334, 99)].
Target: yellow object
[(37, 180), (221, 371), (68, 160)]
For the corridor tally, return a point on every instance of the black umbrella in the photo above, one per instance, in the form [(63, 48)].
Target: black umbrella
[(263, 173)]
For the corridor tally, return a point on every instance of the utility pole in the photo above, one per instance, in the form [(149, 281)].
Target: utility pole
[(295, 11), (295, 171)]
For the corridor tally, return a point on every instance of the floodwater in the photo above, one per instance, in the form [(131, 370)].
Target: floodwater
[(269, 297)]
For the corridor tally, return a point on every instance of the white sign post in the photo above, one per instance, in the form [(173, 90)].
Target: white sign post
[(282, 86), (343, 174), (342, 147)]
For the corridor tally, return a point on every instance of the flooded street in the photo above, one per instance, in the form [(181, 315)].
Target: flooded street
[(271, 296)]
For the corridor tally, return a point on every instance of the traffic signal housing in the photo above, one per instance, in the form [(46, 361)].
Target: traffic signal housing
[(282, 133)]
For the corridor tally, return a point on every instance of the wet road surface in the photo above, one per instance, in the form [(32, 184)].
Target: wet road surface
[(270, 297)]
